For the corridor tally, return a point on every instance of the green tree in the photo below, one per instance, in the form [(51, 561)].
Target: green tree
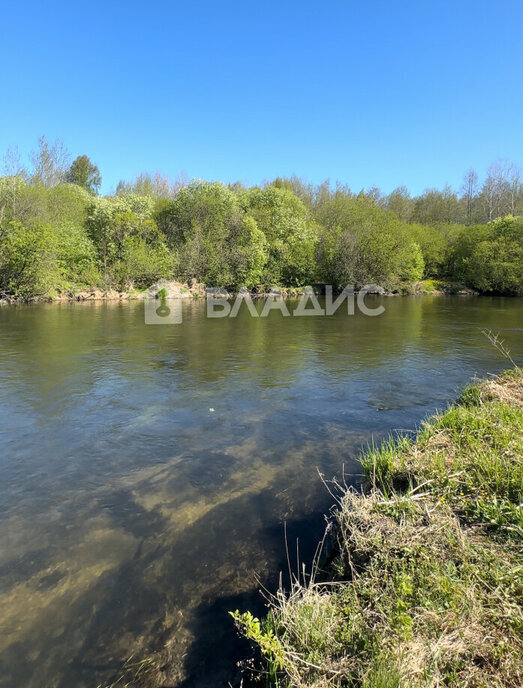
[(28, 263), (290, 233), (218, 243), (362, 243), (249, 253), (85, 174), (400, 202), (433, 242), (67, 203), (110, 220), (490, 257), (143, 261), (435, 206)]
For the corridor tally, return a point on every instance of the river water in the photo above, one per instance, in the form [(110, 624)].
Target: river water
[(146, 471)]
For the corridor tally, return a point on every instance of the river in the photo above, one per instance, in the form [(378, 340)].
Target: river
[(146, 471)]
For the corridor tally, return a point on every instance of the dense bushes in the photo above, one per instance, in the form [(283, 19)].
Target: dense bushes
[(62, 238), (490, 257), (132, 251), (361, 243), (216, 240), (289, 231)]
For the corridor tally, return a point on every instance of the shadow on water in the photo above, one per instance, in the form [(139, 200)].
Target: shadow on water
[(212, 659), (196, 643)]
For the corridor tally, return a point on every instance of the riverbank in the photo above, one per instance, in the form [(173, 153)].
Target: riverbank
[(424, 588), (195, 290)]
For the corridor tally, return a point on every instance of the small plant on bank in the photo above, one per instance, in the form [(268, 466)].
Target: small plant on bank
[(265, 639)]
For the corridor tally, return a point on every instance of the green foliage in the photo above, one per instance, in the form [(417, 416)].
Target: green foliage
[(67, 203), (209, 206), (28, 261), (76, 258), (490, 257), (50, 163), (127, 238), (364, 244), (248, 253), (287, 233), (265, 638), (142, 262), (156, 186), (61, 239), (85, 174), (22, 202), (410, 264), (433, 243), (218, 242), (400, 202), (435, 206)]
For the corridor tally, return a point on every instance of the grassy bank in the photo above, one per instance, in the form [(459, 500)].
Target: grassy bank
[(425, 588)]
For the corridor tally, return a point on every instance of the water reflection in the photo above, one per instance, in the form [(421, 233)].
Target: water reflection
[(133, 517)]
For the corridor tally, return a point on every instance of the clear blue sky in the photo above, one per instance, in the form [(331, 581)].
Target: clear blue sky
[(385, 93)]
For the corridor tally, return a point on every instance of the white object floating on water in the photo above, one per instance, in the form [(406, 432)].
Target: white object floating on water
[(211, 410)]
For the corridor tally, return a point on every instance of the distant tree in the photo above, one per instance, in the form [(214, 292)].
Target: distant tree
[(111, 220), (123, 188), (469, 190), (154, 185), (13, 166), (514, 189), (27, 259), (305, 191), (86, 174), (67, 203), (501, 192), (14, 173), (433, 241), (217, 242), (451, 207), (50, 163), (435, 206), (489, 193), (400, 202), (323, 193), (377, 195), (496, 190), (281, 183)]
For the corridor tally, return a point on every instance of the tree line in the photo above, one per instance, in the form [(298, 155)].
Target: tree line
[(57, 235)]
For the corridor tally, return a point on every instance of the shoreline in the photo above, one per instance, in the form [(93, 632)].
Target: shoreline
[(179, 290), (417, 589)]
